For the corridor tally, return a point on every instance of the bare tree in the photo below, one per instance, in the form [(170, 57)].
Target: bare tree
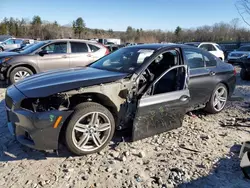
[(243, 8)]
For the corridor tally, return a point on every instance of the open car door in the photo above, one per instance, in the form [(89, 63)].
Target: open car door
[(161, 108)]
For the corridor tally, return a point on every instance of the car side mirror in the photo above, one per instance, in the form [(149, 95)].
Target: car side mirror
[(43, 52)]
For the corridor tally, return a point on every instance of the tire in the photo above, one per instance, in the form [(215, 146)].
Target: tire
[(1, 49), (244, 74), (73, 137), (210, 106), (18, 71)]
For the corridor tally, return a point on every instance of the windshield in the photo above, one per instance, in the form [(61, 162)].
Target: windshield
[(33, 48), (125, 60), (219, 47), (244, 48)]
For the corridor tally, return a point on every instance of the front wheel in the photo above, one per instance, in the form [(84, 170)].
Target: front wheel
[(218, 99), (90, 129), (19, 73)]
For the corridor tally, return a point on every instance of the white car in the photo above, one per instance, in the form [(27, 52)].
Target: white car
[(213, 48)]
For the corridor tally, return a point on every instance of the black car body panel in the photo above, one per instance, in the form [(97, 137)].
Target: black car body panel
[(45, 84), (117, 88), (245, 64)]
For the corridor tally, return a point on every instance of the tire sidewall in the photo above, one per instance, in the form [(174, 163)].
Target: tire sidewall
[(80, 110), (15, 70), (210, 107)]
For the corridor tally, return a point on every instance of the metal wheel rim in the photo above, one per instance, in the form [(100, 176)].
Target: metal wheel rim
[(91, 131), (220, 98), (20, 75)]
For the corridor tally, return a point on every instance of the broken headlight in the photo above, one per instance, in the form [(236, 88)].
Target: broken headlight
[(54, 102)]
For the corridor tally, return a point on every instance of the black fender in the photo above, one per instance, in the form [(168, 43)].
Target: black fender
[(33, 66)]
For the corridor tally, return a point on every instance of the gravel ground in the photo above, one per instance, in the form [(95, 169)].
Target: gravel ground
[(203, 153)]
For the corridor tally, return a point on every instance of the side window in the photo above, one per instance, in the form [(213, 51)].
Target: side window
[(56, 48), (79, 47), (18, 41), (194, 59), (211, 47), (10, 41), (204, 47), (174, 80), (209, 60), (93, 48)]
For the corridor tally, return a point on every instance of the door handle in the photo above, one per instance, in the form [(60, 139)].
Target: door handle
[(64, 56), (89, 55), (212, 73), (184, 98)]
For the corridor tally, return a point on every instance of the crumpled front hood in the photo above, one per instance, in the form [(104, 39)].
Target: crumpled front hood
[(48, 83)]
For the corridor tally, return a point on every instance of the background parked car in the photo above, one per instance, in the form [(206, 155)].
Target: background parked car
[(213, 48), (14, 43), (238, 55), (21, 48), (48, 55)]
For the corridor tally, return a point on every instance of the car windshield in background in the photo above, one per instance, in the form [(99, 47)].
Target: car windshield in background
[(32, 48), (125, 60), (219, 47), (244, 48)]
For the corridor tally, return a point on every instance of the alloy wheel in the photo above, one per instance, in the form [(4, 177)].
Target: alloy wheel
[(20, 75), (220, 98), (91, 131)]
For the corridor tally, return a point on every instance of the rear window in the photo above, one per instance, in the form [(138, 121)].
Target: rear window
[(93, 48), (78, 47)]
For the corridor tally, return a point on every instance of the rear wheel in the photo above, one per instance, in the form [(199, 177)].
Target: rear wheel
[(90, 129), (244, 74), (218, 99), (19, 73)]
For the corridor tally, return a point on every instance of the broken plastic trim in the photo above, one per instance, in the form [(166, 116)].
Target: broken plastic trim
[(53, 102)]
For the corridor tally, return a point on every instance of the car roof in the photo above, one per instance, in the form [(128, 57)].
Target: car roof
[(199, 43), (72, 40), (158, 46)]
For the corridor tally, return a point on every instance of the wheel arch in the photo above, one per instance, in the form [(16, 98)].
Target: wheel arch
[(90, 97), (27, 65)]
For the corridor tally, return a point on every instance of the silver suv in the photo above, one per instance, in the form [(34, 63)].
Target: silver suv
[(48, 55)]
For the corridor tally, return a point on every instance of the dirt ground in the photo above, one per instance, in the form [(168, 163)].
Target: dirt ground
[(202, 153)]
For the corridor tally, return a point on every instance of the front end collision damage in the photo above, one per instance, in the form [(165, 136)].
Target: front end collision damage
[(34, 119)]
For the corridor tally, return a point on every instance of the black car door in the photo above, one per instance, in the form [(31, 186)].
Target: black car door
[(200, 84), (159, 109)]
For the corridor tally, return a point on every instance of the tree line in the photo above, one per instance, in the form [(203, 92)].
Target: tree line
[(44, 30)]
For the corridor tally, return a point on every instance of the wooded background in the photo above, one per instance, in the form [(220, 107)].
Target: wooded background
[(38, 28)]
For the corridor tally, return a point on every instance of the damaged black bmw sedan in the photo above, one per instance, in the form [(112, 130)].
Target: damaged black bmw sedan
[(147, 88)]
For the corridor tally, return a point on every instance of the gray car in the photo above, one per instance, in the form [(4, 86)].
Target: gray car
[(237, 55), (48, 55)]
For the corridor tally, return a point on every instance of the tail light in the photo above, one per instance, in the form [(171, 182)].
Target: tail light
[(107, 50), (235, 72)]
